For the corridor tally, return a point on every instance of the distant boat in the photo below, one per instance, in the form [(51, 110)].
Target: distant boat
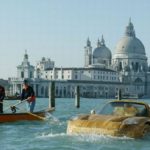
[(12, 117), (128, 96)]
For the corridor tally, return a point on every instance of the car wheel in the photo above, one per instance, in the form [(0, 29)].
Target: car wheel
[(146, 129)]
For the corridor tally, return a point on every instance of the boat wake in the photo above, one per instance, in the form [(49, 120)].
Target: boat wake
[(46, 135), (94, 138), (50, 116), (84, 138)]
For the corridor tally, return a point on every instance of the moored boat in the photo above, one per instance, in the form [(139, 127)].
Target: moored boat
[(12, 117), (12, 98)]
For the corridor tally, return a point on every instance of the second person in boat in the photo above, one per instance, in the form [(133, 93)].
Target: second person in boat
[(28, 94)]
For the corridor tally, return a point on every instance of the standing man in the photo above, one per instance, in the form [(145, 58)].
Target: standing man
[(2, 95), (29, 95)]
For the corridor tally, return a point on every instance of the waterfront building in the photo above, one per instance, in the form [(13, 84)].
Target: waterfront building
[(103, 74)]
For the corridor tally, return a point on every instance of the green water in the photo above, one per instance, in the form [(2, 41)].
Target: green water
[(51, 134)]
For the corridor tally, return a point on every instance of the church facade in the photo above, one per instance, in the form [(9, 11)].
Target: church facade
[(102, 75)]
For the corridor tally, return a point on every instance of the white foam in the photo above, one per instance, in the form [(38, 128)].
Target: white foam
[(45, 135), (94, 137), (50, 116)]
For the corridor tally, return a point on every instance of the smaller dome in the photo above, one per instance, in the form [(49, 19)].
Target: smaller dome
[(101, 51)]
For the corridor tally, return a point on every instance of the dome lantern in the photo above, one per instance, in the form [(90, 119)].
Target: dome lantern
[(102, 41), (98, 43), (130, 29), (25, 55)]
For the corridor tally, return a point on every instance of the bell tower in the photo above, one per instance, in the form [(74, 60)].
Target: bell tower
[(88, 53)]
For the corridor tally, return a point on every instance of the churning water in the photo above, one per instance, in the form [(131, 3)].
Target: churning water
[(51, 134)]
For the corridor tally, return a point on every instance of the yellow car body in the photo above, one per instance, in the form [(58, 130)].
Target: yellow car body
[(117, 118)]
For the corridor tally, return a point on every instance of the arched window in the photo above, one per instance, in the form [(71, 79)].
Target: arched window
[(31, 74), (120, 66), (42, 90), (56, 91), (22, 74), (138, 80), (46, 91), (64, 91), (132, 64), (136, 66)]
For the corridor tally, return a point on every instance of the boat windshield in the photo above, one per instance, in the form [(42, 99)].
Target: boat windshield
[(124, 109)]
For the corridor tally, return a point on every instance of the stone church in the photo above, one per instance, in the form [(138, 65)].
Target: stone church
[(102, 75)]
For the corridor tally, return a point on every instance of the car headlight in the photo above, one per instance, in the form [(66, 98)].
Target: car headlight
[(74, 117), (130, 121)]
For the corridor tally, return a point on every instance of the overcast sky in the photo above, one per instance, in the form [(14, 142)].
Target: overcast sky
[(58, 29)]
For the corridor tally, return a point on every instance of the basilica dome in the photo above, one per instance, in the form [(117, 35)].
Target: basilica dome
[(130, 52), (101, 51), (129, 44)]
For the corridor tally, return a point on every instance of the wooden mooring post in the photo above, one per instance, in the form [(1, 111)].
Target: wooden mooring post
[(52, 95), (119, 94), (77, 96)]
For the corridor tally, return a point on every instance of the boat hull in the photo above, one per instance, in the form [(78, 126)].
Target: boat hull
[(12, 117)]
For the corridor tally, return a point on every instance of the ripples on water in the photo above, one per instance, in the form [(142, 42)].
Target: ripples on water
[(51, 134)]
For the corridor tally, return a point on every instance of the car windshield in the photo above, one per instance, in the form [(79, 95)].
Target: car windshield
[(124, 109)]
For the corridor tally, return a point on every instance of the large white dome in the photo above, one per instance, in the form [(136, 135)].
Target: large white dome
[(129, 44)]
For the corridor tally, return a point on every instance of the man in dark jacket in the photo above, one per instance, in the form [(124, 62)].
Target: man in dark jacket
[(2, 95), (29, 95)]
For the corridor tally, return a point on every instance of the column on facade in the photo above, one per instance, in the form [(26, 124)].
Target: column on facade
[(15, 88), (21, 87)]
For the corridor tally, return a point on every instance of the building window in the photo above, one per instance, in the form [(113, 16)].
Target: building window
[(42, 90), (22, 74), (120, 66), (31, 75), (76, 77)]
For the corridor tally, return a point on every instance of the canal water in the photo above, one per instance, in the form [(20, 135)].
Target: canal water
[(51, 134)]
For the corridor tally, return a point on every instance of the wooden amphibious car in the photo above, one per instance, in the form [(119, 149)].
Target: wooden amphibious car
[(117, 118)]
